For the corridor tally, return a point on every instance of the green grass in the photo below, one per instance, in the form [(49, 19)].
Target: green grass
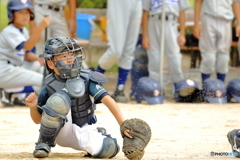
[(3, 15), (191, 3)]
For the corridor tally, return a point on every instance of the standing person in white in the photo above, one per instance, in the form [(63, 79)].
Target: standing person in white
[(151, 32), (123, 21), (58, 26), (21, 70), (215, 34)]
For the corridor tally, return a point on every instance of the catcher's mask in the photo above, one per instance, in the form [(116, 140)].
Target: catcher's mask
[(63, 45)]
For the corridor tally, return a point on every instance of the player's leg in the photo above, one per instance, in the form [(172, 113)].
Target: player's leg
[(118, 16), (21, 93), (33, 66), (223, 47), (234, 139), (207, 46), (39, 13), (17, 77), (172, 50), (154, 33), (125, 61), (88, 138), (59, 25), (53, 119)]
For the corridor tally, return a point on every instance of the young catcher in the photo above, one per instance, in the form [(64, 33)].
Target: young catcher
[(65, 108)]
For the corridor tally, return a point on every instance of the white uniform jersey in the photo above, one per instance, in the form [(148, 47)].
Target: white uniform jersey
[(218, 8), (173, 7), (10, 38), (51, 2)]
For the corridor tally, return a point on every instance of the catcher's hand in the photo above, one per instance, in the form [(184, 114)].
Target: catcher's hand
[(140, 131)]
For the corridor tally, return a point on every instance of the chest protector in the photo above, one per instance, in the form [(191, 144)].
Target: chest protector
[(82, 107)]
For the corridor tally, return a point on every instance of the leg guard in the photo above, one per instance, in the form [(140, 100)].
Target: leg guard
[(234, 140), (109, 149), (53, 119)]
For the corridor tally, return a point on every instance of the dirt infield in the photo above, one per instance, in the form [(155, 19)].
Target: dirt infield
[(179, 131)]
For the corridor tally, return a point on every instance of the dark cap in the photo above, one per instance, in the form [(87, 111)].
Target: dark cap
[(149, 89), (214, 91), (187, 85), (233, 90)]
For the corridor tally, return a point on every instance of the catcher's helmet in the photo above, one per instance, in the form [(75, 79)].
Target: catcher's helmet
[(186, 90), (233, 91), (214, 91), (17, 5), (62, 45), (149, 89)]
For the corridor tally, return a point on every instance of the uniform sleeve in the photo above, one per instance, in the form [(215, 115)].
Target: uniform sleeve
[(32, 50), (183, 5), (20, 46), (14, 38), (97, 91), (146, 5), (42, 99)]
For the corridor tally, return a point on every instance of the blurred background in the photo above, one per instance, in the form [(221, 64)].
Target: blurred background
[(91, 32)]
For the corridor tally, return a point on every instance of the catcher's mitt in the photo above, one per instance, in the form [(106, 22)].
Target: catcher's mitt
[(133, 148)]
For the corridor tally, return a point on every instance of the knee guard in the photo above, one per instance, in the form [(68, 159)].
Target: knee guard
[(58, 104), (53, 117), (110, 148)]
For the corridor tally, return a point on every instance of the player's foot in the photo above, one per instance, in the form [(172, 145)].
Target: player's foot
[(119, 96), (18, 102), (40, 153), (132, 96), (102, 130), (41, 150), (6, 104), (234, 139), (6, 99)]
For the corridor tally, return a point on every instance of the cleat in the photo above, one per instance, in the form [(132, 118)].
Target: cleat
[(41, 150), (119, 96), (40, 153), (18, 102), (6, 99)]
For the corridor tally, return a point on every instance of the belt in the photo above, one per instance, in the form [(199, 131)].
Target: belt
[(167, 17), (52, 7)]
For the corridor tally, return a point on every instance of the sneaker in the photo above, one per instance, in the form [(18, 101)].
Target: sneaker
[(234, 140), (119, 96), (41, 150), (40, 153), (18, 102), (6, 99), (132, 96), (6, 104)]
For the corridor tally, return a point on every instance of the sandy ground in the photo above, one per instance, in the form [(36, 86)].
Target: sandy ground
[(179, 131)]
